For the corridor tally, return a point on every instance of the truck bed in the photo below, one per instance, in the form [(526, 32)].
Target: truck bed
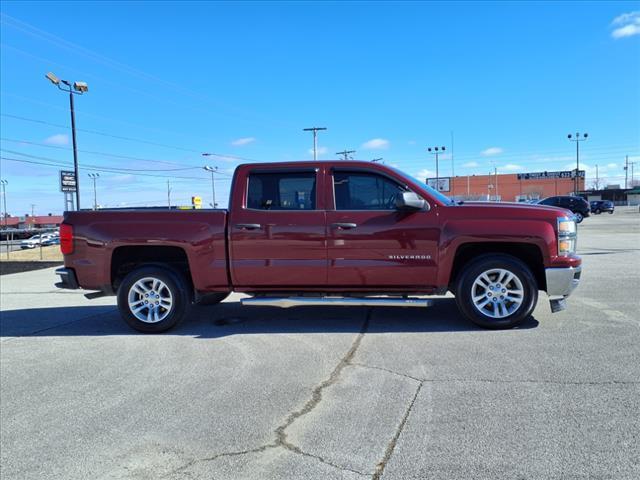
[(108, 240)]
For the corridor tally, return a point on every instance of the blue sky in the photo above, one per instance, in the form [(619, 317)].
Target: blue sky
[(510, 80)]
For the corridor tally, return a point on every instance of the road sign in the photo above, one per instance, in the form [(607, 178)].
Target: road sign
[(442, 184), (67, 181)]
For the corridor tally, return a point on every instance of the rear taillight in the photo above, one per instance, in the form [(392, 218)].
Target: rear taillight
[(66, 239)]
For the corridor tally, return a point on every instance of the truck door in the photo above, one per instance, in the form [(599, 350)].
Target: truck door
[(277, 230), (370, 242)]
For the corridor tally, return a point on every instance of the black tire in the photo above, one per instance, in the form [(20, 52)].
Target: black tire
[(465, 291), (579, 217), (175, 286), (597, 211), (610, 212), (210, 299)]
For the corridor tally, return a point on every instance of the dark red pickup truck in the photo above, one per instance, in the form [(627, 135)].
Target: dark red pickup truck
[(330, 233)]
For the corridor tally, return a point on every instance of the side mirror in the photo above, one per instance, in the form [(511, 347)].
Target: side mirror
[(410, 201)]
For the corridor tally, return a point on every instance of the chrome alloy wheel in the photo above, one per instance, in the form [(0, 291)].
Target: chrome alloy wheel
[(150, 300), (497, 293)]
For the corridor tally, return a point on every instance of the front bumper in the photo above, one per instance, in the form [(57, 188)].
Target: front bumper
[(67, 279), (561, 282)]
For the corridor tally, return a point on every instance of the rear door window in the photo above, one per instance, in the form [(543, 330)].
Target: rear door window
[(282, 191)]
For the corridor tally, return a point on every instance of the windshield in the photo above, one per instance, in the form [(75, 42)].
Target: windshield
[(432, 191)]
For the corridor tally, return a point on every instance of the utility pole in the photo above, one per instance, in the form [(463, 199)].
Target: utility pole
[(213, 186), (453, 173), (577, 139), (436, 151), (4, 184), (495, 169), (94, 177), (33, 206), (626, 170), (315, 131), (346, 154), (78, 88), (169, 194)]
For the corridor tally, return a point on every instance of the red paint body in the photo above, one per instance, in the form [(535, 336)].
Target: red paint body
[(388, 250)]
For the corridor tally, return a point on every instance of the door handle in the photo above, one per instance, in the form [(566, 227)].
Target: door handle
[(344, 226), (249, 226)]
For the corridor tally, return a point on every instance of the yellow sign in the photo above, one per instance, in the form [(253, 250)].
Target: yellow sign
[(196, 201)]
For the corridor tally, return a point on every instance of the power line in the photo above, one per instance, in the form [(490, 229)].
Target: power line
[(130, 139), (113, 155), (103, 59), (57, 163)]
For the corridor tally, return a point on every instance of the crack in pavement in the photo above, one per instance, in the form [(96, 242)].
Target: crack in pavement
[(316, 397), (392, 444)]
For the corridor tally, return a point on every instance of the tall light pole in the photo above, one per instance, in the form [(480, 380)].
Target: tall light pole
[(4, 184), (78, 88), (436, 151), (213, 186), (315, 131), (346, 153), (577, 139), (94, 177)]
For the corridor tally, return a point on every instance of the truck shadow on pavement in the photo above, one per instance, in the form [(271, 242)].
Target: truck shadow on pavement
[(230, 318)]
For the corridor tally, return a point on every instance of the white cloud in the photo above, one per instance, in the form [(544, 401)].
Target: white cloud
[(321, 151), (628, 25), (491, 151), (424, 173), (58, 139), (411, 142), (510, 167), (471, 165), (612, 165), (239, 142), (376, 144)]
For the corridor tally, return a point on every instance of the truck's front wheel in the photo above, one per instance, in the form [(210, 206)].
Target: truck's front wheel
[(152, 299), (496, 291)]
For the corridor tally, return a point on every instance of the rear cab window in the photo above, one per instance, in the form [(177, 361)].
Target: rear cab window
[(294, 190)]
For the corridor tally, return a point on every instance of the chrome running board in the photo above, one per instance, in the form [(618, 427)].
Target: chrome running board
[(287, 302)]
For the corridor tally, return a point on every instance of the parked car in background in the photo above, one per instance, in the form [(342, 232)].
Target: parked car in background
[(600, 206), (35, 241), (578, 205), (53, 240)]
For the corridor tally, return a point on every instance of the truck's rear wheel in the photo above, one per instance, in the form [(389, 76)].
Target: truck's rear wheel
[(496, 291), (152, 299)]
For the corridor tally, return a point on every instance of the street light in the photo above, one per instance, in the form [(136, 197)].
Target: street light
[(4, 184), (577, 139), (436, 151), (213, 185), (77, 88), (94, 177)]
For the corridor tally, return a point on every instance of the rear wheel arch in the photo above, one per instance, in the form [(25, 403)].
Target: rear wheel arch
[(126, 259)]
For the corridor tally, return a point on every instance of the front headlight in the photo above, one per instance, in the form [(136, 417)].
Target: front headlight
[(567, 236)]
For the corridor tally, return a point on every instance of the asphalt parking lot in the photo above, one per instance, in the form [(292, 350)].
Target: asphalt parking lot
[(344, 393)]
